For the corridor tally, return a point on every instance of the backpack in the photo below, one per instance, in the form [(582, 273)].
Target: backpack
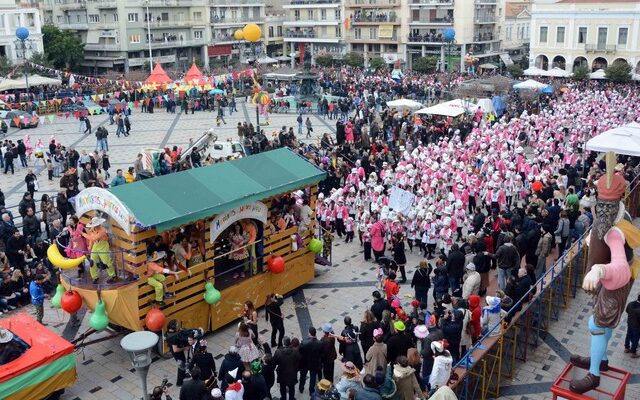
[(471, 331)]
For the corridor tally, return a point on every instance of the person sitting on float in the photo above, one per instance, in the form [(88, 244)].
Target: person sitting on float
[(98, 240), (156, 271)]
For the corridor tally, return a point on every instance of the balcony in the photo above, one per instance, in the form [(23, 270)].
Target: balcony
[(236, 3), (484, 38), (79, 26), (486, 2), (362, 39), (164, 3), (309, 35), (103, 4), (427, 38), (72, 5), (174, 41), (485, 19), (434, 21), (216, 20), (372, 3), (313, 2), (600, 47), (162, 24), (375, 18), (437, 3), (103, 47)]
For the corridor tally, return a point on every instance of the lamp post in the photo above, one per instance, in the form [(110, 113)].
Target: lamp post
[(148, 18), (22, 34), (138, 346), (251, 33), (450, 38)]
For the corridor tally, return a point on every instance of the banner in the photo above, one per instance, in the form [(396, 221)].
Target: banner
[(98, 199), (385, 31), (401, 200), (255, 210)]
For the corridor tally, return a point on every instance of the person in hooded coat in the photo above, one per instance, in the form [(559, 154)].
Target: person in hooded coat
[(407, 387)]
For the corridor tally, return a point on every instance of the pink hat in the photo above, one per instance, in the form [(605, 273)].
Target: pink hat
[(378, 332), (395, 303)]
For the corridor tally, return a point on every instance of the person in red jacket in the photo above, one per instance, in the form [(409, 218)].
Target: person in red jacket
[(476, 311), (391, 287)]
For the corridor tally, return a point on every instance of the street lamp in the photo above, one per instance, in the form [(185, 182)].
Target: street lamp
[(148, 18), (22, 45), (251, 33), (450, 38), (138, 346)]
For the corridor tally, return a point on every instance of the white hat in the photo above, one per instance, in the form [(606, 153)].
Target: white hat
[(216, 392), (157, 255), (471, 267), (96, 221), (233, 373), (5, 336), (437, 346)]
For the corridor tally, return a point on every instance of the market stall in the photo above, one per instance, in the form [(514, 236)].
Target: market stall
[(225, 233)]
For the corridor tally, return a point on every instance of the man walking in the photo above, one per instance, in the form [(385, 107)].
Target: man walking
[(287, 359), (633, 328), (87, 124), (22, 153), (309, 127), (8, 161), (310, 361), (508, 261), (299, 124), (37, 297)]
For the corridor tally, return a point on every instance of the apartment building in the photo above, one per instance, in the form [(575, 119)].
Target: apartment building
[(378, 28), (477, 23), (316, 26), (119, 33), (14, 16), (570, 33), (517, 28)]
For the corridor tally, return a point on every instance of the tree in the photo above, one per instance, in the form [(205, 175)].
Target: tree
[(515, 70), (63, 48), (425, 64), (377, 63), (353, 60), (619, 72), (580, 73), (5, 66), (324, 60)]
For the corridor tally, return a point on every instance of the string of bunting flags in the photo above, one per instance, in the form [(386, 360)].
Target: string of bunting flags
[(213, 80)]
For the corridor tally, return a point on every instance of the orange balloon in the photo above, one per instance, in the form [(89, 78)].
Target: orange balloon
[(154, 321)]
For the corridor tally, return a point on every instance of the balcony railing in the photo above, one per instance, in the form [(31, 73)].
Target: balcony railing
[(489, 2), (164, 3), (103, 47), (445, 20), (300, 34), (607, 48), (367, 39), (306, 2), (72, 5), (433, 2), (175, 42), (486, 37), (230, 3), (215, 19), (375, 18), (485, 19), (173, 23), (428, 38), (79, 26), (373, 3)]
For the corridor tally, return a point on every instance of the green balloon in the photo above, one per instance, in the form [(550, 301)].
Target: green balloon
[(315, 245), (99, 320), (211, 294), (55, 300)]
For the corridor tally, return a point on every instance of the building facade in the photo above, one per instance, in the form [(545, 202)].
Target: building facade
[(477, 24), (12, 18), (119, 34), (517, 28), (316, 26), (572, 33), (377, 28)]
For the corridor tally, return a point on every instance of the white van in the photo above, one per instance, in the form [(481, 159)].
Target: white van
[(208, 145)]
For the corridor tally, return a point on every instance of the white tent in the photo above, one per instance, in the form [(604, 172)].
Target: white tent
[(558, 73), (266, 60), (530, 84), (599, 74), (283, 58), (635, 77), (404, 103), (534, 71), (34, 80), (451, 108), (486, 105), (621, 140)]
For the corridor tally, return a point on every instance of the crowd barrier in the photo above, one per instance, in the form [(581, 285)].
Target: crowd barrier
[(492, 359)]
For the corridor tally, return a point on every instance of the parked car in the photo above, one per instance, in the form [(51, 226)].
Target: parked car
[(25, 120), (208, 145)]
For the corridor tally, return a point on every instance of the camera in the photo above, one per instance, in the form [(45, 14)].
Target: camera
[(164, 383)]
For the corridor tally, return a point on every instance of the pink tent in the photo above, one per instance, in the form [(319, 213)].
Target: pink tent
[(194, 75), (158, 75)]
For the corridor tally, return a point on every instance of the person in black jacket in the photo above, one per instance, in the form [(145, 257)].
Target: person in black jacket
[(348, 347), (421, 282), (203, 360), (455, 267), (194, 388), (399, 255), (633, 328), (230, 362), (254, 384), (22, 153), (287, 360), (451, 324), (398, 343), (310, 361), (25, 203), (31, 226), (8, 161), (379, 305), (273, 314)]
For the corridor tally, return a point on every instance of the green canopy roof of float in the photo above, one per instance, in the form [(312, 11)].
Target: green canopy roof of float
[(167, 201)]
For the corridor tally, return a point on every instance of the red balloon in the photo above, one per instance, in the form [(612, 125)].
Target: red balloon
[(154, 321), (71, 301), (276, 264)]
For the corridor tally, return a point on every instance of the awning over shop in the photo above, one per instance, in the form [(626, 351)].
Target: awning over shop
[(176, 199)]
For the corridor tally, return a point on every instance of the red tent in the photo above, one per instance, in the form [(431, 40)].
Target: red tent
[(158, 75), (194, 75)]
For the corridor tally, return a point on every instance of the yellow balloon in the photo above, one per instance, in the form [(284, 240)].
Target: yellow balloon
[(238, 34), (252, 32)]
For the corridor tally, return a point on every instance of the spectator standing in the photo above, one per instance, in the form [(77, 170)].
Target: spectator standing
[(310, 361), (633, 328), (37, 297)]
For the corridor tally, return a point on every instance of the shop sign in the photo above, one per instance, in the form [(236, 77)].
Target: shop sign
[(98, 199), (255, 210)]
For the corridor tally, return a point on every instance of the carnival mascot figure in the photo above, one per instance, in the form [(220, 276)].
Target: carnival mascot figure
[(98, 240), (610, 277)]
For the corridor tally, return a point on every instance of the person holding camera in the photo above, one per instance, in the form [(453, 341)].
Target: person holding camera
[(158, 391)]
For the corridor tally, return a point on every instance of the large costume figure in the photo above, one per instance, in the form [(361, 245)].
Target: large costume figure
[(610, 276), (98, 239)]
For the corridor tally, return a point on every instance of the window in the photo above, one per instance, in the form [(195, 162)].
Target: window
[(357, 33), (197, 34), (582, 35), (197, 15), (337, 14), (134, 39), (115, 17), (602, 38), (373, 33), (164, 16), (623, 33), (132, 17), (560, 34), (296, 15), (508, 33), (271, 31), (279, 30), (323, 14), (59, 19), (310, 14), (543, 34), (78, 18)]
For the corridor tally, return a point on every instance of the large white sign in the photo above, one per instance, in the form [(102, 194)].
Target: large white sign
[(91, 199), (255, 210), (401, 200)]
